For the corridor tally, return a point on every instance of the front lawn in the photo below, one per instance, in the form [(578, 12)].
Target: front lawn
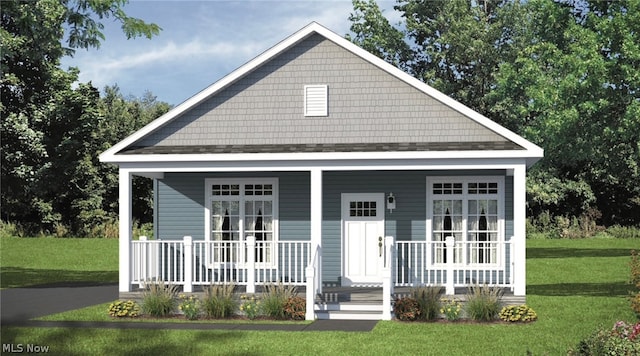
[(44, 260), (575, 286)]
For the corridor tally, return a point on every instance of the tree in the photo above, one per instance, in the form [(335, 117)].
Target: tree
[(565, 74), (49, 129)]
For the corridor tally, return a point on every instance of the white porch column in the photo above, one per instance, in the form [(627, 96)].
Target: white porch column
[(316, 221), (519, 229), (124, 216)]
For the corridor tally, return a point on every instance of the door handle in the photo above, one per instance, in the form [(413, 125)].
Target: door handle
[(380, 245)]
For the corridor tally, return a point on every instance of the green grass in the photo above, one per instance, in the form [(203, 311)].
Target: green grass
[(42, 260), (574, 286)]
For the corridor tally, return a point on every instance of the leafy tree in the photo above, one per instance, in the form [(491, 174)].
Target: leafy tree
[(50, 130), (565, 74)]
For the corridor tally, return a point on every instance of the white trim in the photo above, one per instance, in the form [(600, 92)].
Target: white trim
[(465, 197), (345, 198), (531, 150)]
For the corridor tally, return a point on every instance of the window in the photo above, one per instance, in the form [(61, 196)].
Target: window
[(471, 211), (316, 100), (238, 208), (363, 208)]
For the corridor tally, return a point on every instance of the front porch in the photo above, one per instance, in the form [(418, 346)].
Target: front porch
[(251, 265)]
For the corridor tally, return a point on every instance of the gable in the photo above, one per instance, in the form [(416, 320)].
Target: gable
[(369, 109)]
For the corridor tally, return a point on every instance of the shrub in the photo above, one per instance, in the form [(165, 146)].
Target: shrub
[(159, 299), (120, 309), (275, 298), (518, 313), (250, 306), (406, 309), (218, 301), (624, 232), (451, 309), (428, 299), (190, 306), (295, 308), (622, 339), (483, 303)]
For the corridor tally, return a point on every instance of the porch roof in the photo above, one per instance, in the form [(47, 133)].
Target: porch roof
[(313, 148)]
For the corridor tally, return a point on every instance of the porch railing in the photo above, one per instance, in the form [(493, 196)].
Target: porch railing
[(453, 263), (249, 263)]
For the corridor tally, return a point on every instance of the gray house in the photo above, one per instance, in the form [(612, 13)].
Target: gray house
[(318, 164)]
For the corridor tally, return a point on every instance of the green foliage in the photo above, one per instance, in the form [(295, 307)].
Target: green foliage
[(428, 298), (634, 267), (52, 132), (623, 232), (451, 309), (406, 309), (189, 306), (295, 308), (623, 339), (564, 74), (120, 309), (518, 313), (275, 298), (159, 299), (250, 306), (218, 301), (483, 303)]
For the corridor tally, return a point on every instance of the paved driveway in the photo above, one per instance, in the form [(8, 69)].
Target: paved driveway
[(22, 304)]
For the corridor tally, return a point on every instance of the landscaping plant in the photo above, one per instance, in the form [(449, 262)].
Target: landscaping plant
[(406, 309), (428, 298), (623, 339), (451, 309), (635, 280), (518, 313), (295, 308), (275, 298), (250, 306), (190, 306), (120, 309), (218, 301), (159, 299), (483, 303)]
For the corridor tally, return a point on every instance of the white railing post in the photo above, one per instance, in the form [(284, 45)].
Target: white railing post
[(450, 243), (310, 293), (143, 268), (251, 264), (188, 263), (387, 283)]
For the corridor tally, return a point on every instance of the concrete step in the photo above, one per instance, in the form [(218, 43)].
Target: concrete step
[(348, 315)]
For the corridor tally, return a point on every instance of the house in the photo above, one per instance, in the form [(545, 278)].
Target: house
[(320, 165)]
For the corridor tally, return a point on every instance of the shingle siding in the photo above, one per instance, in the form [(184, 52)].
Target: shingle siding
[(366, 105)]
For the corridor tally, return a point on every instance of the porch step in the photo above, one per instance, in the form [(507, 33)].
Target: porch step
[(361, 310)]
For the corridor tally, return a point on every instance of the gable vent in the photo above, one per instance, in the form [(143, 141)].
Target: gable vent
[(316, 100)]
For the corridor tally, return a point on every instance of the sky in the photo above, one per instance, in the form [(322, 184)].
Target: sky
[(200, 42)]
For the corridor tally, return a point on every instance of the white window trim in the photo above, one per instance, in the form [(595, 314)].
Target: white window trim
[(320, 90), (465, 197), (208, 182)]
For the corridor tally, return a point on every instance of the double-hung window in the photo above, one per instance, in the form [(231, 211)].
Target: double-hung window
[(240, 207), (471, 210)]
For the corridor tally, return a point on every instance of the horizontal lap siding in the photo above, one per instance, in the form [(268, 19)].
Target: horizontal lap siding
[(181, 196), (407, 222)]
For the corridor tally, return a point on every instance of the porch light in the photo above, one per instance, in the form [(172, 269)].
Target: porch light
[(391, 202)]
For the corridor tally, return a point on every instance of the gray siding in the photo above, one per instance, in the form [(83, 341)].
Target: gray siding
[(180, 199), (180, 205), (366, 105)]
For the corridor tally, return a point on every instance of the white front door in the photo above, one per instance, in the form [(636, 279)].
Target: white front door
[(362, 233)]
